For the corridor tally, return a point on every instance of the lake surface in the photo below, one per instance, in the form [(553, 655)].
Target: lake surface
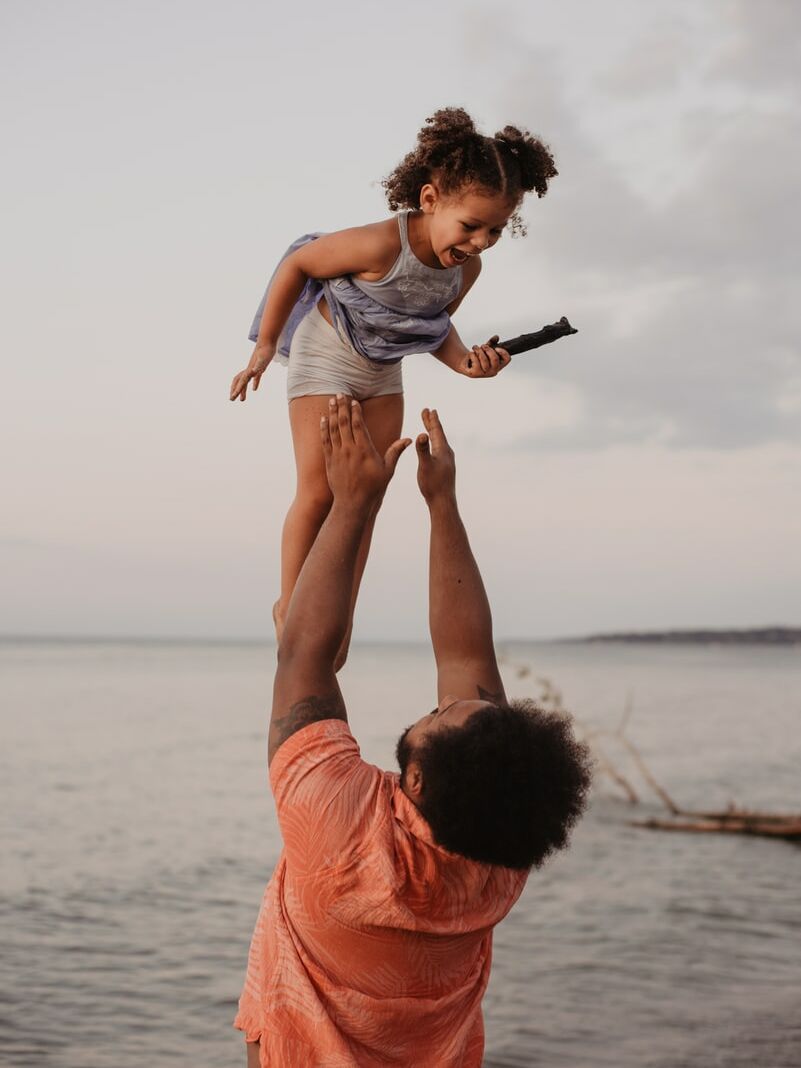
[(138, 833)]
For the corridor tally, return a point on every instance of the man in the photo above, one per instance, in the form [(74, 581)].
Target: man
[(373, 943)]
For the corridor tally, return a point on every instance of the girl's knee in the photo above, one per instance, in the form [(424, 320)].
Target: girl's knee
[(314, 500)]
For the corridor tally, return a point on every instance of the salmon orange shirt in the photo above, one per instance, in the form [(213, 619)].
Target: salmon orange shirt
[(373, 944)]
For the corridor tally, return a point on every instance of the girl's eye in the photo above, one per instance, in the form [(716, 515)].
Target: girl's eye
[(467, 226)]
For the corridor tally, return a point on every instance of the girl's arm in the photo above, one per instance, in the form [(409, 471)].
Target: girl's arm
[(485, 361), (360, 250)]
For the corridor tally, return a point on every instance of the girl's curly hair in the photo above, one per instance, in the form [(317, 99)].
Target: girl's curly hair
[(451, 152)]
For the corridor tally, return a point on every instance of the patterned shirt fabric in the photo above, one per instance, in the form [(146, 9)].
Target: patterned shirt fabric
[(373, 944)]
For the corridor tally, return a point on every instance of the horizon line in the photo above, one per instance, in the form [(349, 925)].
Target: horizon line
[(199, 639)]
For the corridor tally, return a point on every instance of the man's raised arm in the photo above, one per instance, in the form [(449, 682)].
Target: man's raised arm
[(306, 688), (459, 612)]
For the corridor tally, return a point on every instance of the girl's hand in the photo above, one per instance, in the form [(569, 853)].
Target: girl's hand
[(485, 361), (259, 362)]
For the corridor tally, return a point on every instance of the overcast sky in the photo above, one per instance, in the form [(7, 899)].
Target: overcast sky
[(158, 159)]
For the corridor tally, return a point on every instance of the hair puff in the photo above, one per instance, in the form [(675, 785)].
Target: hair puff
[(451, 152)]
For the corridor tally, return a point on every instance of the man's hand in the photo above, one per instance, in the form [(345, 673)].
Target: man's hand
[(436, 466), (258, 364), (356, 473)]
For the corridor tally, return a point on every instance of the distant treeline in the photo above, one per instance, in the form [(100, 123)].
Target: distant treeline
[(751, 636)]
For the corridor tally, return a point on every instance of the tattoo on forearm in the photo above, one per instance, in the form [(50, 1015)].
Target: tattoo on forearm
[(488, 695), (309, 710)]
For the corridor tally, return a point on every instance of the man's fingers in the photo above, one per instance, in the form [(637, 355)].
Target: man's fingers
[(344, 417), (434, 427), (422, 446), (256, 380), (333, 422), (360, 431), (393, 454), (325, 435)]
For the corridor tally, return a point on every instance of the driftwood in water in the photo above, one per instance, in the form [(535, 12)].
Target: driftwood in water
[(763, 824), (731, 820)]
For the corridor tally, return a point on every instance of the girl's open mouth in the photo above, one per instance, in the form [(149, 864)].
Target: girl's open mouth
[(458, 255)]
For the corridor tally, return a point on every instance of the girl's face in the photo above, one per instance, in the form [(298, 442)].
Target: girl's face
[(465, 224)]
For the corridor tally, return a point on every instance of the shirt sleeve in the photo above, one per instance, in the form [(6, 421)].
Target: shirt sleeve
[(327, 798)]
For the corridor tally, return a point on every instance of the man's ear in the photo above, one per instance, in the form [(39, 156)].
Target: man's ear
[(429, 197), (413, 781)]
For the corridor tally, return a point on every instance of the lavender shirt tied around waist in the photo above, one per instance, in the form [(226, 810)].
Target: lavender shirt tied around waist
[(410, 317)]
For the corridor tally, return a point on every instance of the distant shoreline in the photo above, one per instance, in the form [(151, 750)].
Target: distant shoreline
[(745, 636), (776, 636)]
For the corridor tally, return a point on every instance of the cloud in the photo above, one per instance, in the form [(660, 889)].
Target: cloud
[(763, 50), (687, 306), (654, 62)]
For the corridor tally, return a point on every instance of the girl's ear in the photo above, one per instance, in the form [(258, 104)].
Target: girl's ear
[(429, 197)]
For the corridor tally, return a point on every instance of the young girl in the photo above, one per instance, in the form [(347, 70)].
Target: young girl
[(346, 307)]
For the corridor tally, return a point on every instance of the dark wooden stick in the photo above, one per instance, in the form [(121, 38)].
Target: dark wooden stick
[(549, 333), (526, 342)]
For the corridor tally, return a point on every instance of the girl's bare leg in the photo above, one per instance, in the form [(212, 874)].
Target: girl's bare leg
[(312, 498), (383, 417), (253, 1054)]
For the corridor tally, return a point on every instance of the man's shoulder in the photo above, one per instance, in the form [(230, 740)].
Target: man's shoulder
[(310, 709), (317, 739), (321, 766), (331, 804)]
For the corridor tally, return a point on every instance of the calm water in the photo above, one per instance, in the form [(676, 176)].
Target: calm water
[(138, 834)]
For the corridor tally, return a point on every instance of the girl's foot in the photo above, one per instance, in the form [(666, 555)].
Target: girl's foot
[(278, 622)]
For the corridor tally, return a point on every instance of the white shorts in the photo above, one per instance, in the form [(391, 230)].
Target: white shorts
[(322, 363)]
